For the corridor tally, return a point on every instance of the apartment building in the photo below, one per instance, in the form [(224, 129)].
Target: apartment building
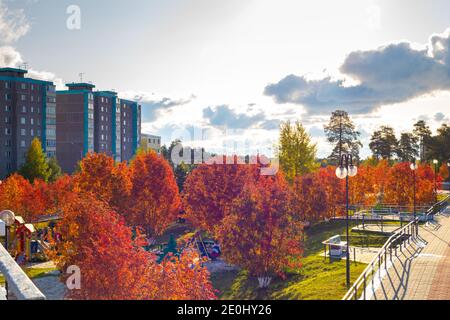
[(27, 111), (151, 142), (95, 121)]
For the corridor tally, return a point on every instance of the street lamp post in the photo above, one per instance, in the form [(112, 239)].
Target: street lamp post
[(435, 162), (345, 170), (414, 168), (8, 217)]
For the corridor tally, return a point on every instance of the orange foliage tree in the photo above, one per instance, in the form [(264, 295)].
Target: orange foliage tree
[(260, 231), (211, 187), (32, 201), (154, 200), (113, 266), (362, 189), (109, 182), (443, 171), (309, 198), (334, 190), (399, 185), (14, 192), (380, 177)]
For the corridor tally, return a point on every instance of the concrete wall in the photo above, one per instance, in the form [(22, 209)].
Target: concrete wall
[(19, 284)]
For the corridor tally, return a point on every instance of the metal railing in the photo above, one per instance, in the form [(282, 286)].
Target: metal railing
[(397, 242)]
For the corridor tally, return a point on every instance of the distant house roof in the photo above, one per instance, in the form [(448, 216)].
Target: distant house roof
[(20, 219), (30, 227)]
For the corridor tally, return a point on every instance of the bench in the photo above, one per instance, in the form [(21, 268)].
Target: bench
[(336, 247)]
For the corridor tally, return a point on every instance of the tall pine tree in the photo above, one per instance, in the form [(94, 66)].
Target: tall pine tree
[(342, 134), (423, 133), (383, 143), (408, 148)]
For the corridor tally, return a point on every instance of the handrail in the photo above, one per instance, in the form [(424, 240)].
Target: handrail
[(411, 230)]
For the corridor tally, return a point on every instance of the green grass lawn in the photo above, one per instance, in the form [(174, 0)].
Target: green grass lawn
[(33, 273), (317, 279)]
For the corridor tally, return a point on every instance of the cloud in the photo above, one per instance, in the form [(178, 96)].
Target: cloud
[(9, 57), (13, 24), (440, 117), (223, 116), (273, 124), (391, 74), (152, 106), (316, 132)]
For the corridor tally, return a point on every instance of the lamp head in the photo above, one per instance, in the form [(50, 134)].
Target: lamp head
[(413, 166), (352, 171), (341, 172), (435, 161), (8, 217)]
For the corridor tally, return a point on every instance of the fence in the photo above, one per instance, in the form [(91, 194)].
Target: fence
[(397, 242)]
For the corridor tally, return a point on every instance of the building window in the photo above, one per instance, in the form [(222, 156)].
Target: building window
[(32, 109), (8, 143), (8, 154), (7, 131), (24, 109), (32, 132), (23, 120), (8, 96), (23, 132), (7, 85), (7, 108), (22, 143), (23, 86), (51, 143), (32, 121), (23, 97)]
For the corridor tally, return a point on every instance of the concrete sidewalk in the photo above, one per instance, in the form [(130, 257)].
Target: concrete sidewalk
[(422, 271)]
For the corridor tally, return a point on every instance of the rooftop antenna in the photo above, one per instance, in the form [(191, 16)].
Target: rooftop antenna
[(81, 74), (25, 65)]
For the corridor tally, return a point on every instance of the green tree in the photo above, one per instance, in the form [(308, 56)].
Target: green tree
[(423, 134), (55, 169), (35, 166), (383, 143), (408, 148), (170, 249), (440, 144), (181, 173), (296, 152), (342, 134)]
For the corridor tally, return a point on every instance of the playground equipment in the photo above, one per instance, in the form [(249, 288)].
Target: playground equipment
[(23, 239)]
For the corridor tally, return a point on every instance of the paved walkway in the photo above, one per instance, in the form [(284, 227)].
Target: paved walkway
[(422, 271)]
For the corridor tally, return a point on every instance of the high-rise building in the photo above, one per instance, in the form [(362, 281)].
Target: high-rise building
[(27, 111), (130, 127), (95, 121)]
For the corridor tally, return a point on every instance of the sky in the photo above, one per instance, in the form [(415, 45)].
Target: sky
[(223, 74)]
